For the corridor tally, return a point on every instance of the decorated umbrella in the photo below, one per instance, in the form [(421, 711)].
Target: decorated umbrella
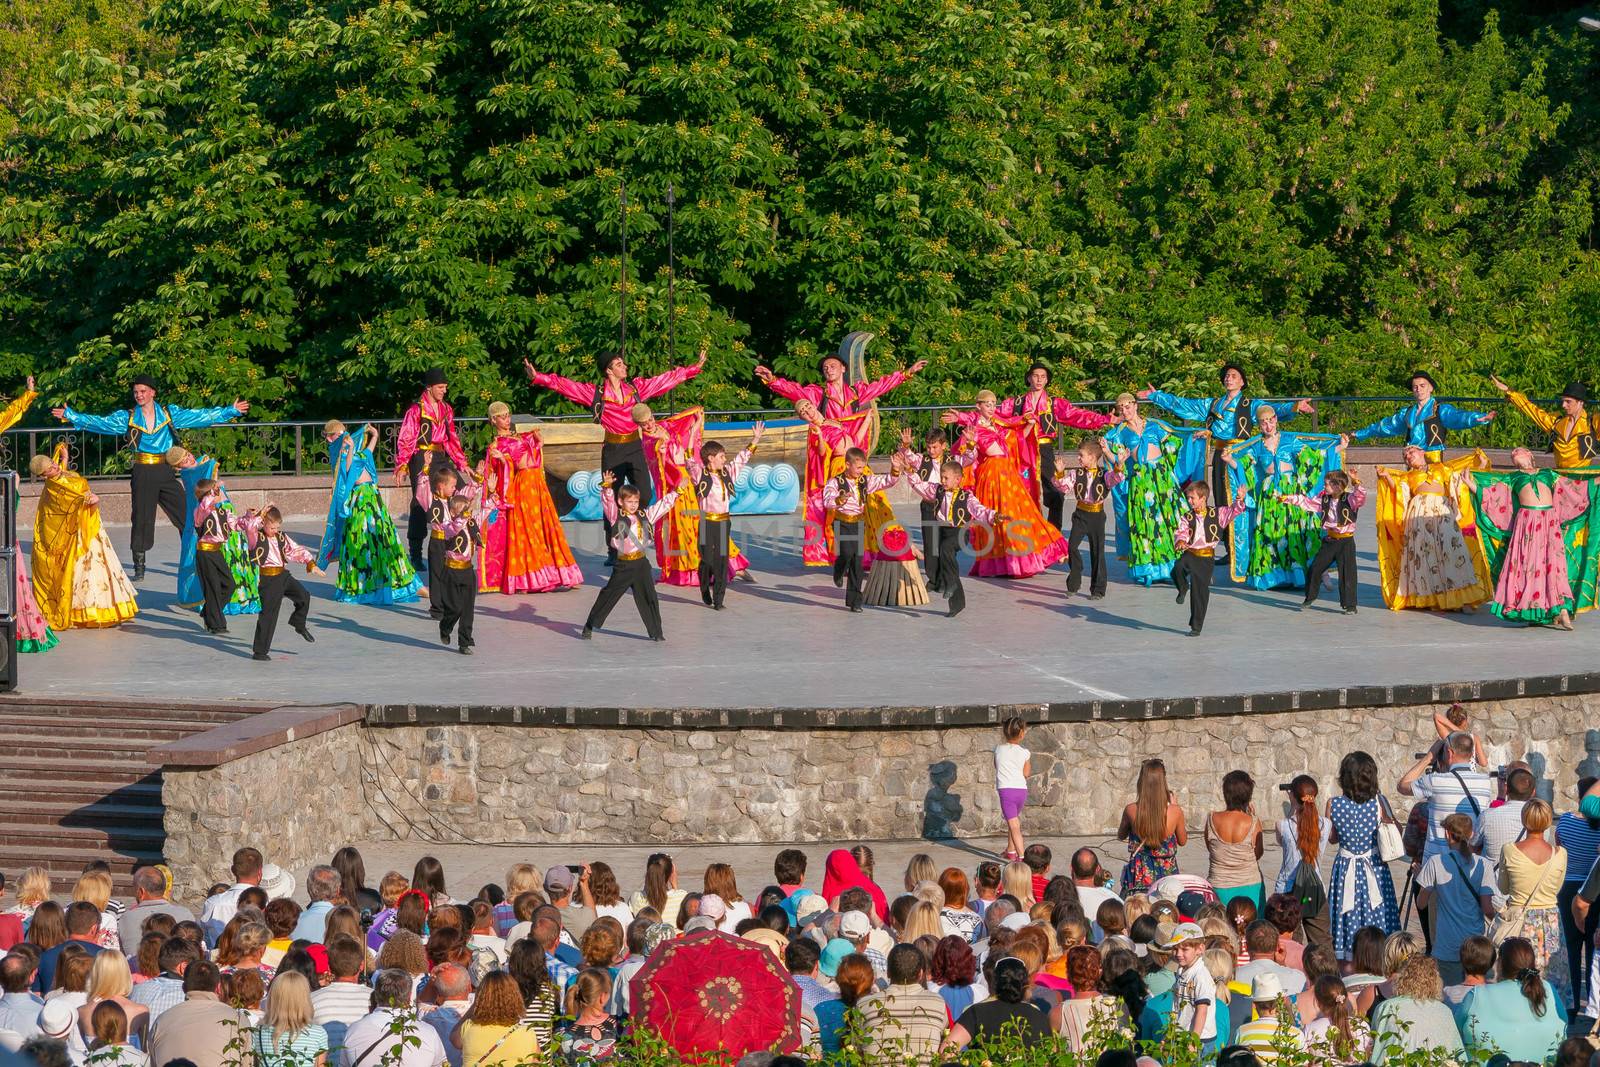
[(711, 993)]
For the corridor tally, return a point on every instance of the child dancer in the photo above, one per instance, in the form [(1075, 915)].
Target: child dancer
[(1011, 767), (272, 550), (714, 477), (1198, 536), (628, 533), (953, 509), (433, 494), (1341, 497), (927, 465), (1089, 486), (212, 527), (845, 498), (455, 587)]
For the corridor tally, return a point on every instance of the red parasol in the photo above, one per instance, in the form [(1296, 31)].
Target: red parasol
[(711, 992)]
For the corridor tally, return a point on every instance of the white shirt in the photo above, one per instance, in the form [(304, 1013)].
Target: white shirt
[(1501, 826), (1091, 897), (738, 912), (1008, 763), (220, 908), (422, 1049), (1193, 988), (618, 911)]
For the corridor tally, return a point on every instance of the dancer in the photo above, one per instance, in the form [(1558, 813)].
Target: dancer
[(845, 498), (926, 465), (670, 447), (455, 588), (1228, 419), (628, 533), (1198, 537), (714, 476), (525, 549), (272, 551), (434, 496), (1027, 543), (1156, 460), (1088, 486), (1534, 525), (1572, 434), (428, 428), (835, 397), (1045, 415), (360, 534), (954, 509), (612, 401), (1335, 508), (235, 553), (1273, 542), (212, 527), (1425, 423), (33, 629), (77, 576), (827, 442), (1428, 551), (149, 428)]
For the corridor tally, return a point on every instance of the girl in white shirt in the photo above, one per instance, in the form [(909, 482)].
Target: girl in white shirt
[(1011, 782)]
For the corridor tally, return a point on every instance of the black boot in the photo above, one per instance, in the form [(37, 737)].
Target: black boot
[(138, 566)]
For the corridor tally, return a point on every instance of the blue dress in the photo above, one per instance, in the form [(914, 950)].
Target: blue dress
[(1357, 827), (1274, 543), (1149, 500)]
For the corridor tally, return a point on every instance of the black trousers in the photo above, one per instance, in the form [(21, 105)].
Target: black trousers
[(1054, 502), (455, 591), (714, 537), (1340, 550), (436, 553), (1192, 575), (629, 575), (274, 588), (216, 585), (154, 485), (1580, 943), (420, 466), (626, 461), (847, 560), (1087, 526), (930, 546), (1219, 497), (944, 551)]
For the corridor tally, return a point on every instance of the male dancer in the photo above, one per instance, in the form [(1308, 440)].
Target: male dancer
[(1572, 434), (272, 551), (845, 498), (1090, 487), (628, 531), (715, 475), (1199, 534), (927, 465), (954, 508), (454, 588), (835, 397), (429, 427), (1229, 418), (149, 427), (1424, 423), (212, 526), (1045, 416)]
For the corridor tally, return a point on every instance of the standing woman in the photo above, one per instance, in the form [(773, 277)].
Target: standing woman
[(1428, 550), (1234, 842), (526, 550), (1579, 833), (75, 570), (1360, 888), (1531, 875), (360, 534), (1156, 461), (1025, 543), (1303, 837), (1458, 883), (1154, 829)]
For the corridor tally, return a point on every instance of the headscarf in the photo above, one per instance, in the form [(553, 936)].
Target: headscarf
[(657, 934), (842, 872)]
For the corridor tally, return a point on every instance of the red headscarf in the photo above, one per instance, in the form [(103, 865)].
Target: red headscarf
[(843, 872)]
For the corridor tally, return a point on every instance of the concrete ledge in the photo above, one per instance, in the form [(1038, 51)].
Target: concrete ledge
[(917, 718), (258, 733)]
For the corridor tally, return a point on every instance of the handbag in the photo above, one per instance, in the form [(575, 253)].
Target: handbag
[(1391, 845), (1508, 923)]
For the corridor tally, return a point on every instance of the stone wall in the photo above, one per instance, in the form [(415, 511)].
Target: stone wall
[(618, 785)]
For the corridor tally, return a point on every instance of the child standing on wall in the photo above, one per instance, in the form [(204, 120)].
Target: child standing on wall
[(1011, 781)]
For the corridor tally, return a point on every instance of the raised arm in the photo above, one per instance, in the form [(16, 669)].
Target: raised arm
[(1191, 409), (199, 418), (577, 392), (1393, 425), (17, 408), (667, 381), (1541, 418), (660, 507), (608, 501), (115, 423), (867, 391)]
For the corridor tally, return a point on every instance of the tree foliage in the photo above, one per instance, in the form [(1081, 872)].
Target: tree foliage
[(310, 202)]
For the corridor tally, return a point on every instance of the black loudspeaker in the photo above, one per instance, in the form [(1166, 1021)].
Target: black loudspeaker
[(10, 560), (8, 509)]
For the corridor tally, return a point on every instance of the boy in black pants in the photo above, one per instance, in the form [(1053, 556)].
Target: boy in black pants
[(272, 550), (1199, 533), (212, 525), (629, 532), (954, 508), (1089, 485), (714, 479), (455, 587), (845, 498), (441, 486), (927, 466), (1341, 497)]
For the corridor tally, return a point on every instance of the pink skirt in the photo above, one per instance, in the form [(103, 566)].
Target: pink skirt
[(1533, 581)]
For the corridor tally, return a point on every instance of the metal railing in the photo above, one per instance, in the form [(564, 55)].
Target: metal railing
[(297, 448)]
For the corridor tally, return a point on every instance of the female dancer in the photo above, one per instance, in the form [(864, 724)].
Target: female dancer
[(1273, 542), (1428, 551), (672, 452), (827, 441), (1523, 521), (246, 599), (33, 629), (1156, 461), (1045, 415), (373, 566), (75, 569), (1026, 543), (525, 549)]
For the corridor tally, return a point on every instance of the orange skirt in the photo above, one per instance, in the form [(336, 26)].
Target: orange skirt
[(538, 558), (1026, 543)]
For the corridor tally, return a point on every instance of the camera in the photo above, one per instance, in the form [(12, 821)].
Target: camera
[(1286, 787)]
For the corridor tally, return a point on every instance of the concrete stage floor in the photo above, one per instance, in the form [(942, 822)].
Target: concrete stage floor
[(788, 642)]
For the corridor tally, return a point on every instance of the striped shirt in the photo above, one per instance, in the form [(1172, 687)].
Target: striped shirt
[(540, 1014), (1444, 792), (1581, 842), (1262, 1037)]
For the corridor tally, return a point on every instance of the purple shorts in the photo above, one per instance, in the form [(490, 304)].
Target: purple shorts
[(1011, 802)]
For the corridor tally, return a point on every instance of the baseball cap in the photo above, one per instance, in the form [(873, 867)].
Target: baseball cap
[(1266, 986), (835, 951), (57, 1019), (1189, 903), (853, 924), (1183, 932), (712, 907), (558, 880)]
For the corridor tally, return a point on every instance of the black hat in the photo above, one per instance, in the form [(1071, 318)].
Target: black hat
[(1577, 391), (1425, 376), (433, 376), (1048, 374), (832, 355), (145, 380), (603, 361), (1222, 375)]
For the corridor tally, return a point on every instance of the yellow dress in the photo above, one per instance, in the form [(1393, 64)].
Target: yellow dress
[(1429, 555), (76, 574)]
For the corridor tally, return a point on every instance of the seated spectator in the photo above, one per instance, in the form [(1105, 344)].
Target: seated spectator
[(19, 1006), (109, 1045), (591, 1032), (1335, 1033), (1518, 1015), (1089, 1010), (83, 929), (954, 972), (165, 990), (1269, 1031), (1477, 961), (1415, 1017), (907, 1017), (451, 991), (245, 990), (149, 898), (1262, 941), (110, 979), (1006, 1014), (323, 890), (390, 1034), (1284, 912), (344, 999), (201, 1029), (492, 1032), (954, 915), (853, 974), (287, 1036)]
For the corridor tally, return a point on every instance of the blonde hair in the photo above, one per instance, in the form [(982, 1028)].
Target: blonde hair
[(288, 1006), (1418, 978), (922, 919), (1126, 398), (1136, 905), (1017, 879), (93, 887), (521, 878), (921, 869), (1397, 949), (333, 426), (929, 891), (176, 455), (985, 394), (1219, 933), (1220, 964), (1537, 816), (33, 886), (109, 977)]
